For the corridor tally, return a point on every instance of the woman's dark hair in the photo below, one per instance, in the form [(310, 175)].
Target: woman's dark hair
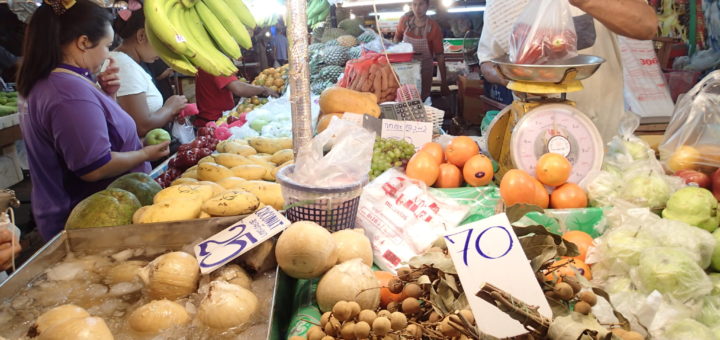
[(126, 29), (47, 33)]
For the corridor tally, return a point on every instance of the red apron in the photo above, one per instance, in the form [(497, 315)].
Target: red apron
[(421, 47)]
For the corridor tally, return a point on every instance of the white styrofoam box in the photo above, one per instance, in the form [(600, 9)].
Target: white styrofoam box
[(10, 172), (9, 120)]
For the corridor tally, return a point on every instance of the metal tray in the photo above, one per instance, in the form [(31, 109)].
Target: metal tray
[(173, 235), (577, 68)]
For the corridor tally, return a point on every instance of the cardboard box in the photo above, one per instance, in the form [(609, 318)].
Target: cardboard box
[(469, 103)]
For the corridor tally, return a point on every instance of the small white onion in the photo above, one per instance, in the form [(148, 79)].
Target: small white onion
[(349, 281), (158, 315), (227, 305), (305, 250), (88, 328), (59, 315), (171, 276)]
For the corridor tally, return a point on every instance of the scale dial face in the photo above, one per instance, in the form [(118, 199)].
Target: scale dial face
[(557, 128)]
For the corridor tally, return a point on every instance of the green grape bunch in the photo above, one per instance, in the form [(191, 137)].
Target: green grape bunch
[(389, 153)]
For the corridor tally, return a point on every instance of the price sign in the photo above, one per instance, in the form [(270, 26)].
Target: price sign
[(416, 133), (488, 251), (239, 238)]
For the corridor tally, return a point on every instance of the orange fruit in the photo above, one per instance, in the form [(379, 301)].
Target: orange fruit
[(435, 150), (568, 196), (460, 149), (422, 166), (517, 187), (386, 296), (478, 171), (325, 119), (449, 177), (581, 239), (553, 169), (542, 198), (685, 157), (564, 267)]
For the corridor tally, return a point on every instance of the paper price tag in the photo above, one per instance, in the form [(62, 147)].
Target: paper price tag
[(488, 251), (416, 133), (239, 238)]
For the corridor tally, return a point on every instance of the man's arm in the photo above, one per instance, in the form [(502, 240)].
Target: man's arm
[(240, 89), (631, 18)]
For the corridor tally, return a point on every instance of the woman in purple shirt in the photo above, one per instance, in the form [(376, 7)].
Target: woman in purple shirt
[(78, 138)]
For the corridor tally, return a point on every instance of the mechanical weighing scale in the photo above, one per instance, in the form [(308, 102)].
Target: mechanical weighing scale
[(539, 121)]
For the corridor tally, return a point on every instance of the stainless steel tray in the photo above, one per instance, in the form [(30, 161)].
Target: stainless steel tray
[(576, 68), (173, 235)]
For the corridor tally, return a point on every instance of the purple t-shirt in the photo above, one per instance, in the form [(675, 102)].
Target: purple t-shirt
[(70, 127)]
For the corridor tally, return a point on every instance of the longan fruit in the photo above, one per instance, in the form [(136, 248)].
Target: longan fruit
[(324, 319), (355, 309), (618, 331), (315, 333), (468, 316), (348, 330), (327, 338), (550, 294), (296, 337), (404, 273), (412, 290), (573, 282), (398, 321), (384, 312), (393, 306), (410, 306), (414, 331), (434, 317), (381, 326), (446, 329), (367, 316), (583, 307), (632, 335), (564, 291), (332, 327), (588, 297), (341, 311), (362, 330), (395, 285)]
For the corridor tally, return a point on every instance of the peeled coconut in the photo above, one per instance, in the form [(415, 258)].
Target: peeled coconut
[(305, 250), (158, 315), (84, 328), (57, 316), (349, 281), (352, 243), (227, 305), (171, 276)]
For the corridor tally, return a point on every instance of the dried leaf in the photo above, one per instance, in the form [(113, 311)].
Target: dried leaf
[(437, 302), (624, 323), (423, 280), (565, 248), (452, 283), (574, 326), (517, 211), (434, 259), (539, 249), (461, 302), (558, 307), (446, 295)]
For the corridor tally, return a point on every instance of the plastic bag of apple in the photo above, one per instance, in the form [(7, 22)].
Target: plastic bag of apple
[(543, 33), (189, 154)]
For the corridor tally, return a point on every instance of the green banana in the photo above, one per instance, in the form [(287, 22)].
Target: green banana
[(310, 6), (232, 23), (177, 62), (319, 8), (242, 12), (189, 3), (220, 35), (157, 16), (323, 15)]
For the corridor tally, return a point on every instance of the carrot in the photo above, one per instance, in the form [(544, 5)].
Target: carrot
[(368, 83), (384, 78), (377, 82)]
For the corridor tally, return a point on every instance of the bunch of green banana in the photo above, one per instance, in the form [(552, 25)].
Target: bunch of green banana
[(270, 20), (317, 11), (192, 34)]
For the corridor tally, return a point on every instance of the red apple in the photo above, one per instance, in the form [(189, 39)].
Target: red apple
[(697, 177)]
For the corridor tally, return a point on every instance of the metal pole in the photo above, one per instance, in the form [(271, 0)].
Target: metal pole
[(299, 74)]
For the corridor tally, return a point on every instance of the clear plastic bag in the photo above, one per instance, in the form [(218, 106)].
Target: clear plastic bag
[(692, 139), (543, 33), (183, 131), (348, 161)]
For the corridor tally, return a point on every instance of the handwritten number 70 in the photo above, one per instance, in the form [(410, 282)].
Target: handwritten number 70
[(478, 248)]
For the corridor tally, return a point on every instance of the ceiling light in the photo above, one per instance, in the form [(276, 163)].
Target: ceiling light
[(466, 9), (352, 16), (406, 8), (396, 14), (359, 3), (447, 3)]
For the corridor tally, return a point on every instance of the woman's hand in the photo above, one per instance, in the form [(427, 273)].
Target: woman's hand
[(175, 104), (9, 248), (167, 73), (157, 151), (109, 79), (268, 92)]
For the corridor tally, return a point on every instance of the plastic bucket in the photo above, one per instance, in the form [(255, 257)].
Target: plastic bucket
[(334, 208)]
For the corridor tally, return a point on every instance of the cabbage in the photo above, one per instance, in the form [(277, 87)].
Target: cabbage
[(604, 188), (710, 312), (646, 190), (624, 245), (277, 129), (697, 243), (687, 329), (716, 331), (672, 272), (715, 279), (243, 132), (618, 285)]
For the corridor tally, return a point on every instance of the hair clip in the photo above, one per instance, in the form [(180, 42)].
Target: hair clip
[(60, 6), (133, 5)]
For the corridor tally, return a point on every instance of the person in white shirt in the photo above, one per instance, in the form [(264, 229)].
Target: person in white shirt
[(138, 95), (597, 23), (280, 47)]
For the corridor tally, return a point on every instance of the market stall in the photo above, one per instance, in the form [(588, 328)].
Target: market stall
[(342, 210)]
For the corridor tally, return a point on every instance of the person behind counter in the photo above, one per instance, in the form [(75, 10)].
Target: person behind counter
[(425, 35), (214, 95), (78, 138), (138, 94)]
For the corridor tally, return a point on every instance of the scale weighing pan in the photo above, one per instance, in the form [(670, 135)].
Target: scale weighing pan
[(556, 72)]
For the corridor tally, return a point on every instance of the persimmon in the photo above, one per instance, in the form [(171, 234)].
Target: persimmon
[(460, 149), (386, 296), (542, 198), (436, 150), (566, 266), (517, 187), (449, 177), (478, 170), (422, 167), (553, 169), (568, 196), (581, 239)]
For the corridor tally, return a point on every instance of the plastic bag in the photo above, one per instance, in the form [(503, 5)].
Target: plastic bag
[(646, 92), (692, 139), (347, 162), (543, 33), (183, 131)]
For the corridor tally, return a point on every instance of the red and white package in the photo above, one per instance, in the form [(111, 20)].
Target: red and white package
[(544, 33), (402, 219)]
